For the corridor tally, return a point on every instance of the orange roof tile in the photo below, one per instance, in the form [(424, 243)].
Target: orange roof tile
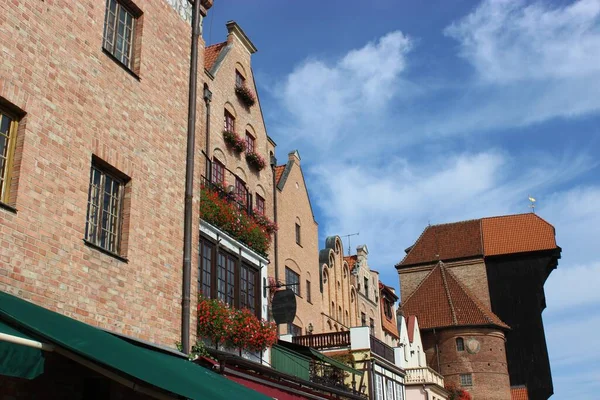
[(492, 236), (278, 172), (519, 393), (211, 53), (441, 301), (446, 242), (516, 234)]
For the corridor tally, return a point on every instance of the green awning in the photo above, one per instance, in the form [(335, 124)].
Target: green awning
[(312, 353), (16, 359), (167, 372)]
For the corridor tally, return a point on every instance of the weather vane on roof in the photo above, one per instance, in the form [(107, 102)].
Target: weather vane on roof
[(532, 205)]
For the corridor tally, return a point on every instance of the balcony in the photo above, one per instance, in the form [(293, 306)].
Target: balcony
[(382, 349), (324, 340), (423, 375), (229, 208)]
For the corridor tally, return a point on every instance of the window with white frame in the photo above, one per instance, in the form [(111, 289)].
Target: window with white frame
[(466, 380), (119, 31)]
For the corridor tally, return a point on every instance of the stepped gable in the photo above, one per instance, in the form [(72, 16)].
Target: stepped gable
[(441, 301)]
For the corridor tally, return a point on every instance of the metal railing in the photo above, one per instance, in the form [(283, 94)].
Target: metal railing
[(227, 190), (382, 349), (324, 340)]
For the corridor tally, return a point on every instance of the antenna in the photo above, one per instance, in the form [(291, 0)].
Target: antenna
[(348, 236), (532, 205)]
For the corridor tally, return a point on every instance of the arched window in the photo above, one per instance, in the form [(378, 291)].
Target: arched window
[(460, 344)]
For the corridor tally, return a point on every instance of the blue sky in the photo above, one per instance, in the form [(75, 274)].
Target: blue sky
[(407, 113)]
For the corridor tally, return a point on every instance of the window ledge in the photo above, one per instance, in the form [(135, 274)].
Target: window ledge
[(120, 64), (103, 250), (8, 208)]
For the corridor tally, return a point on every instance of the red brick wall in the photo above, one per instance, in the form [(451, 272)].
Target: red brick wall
[(487, 364), (79, 103)]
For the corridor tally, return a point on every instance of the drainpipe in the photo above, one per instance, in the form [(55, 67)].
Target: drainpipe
[(275, 239), (189, 181)]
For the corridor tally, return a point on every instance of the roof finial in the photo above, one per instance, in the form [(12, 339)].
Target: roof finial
[(532, 205)]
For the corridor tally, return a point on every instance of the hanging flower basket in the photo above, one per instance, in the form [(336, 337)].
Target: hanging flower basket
[(234, 141), (245, 95), (255, 161)]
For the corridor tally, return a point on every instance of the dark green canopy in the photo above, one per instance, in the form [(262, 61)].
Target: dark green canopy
[(18, 360), (157, 369)]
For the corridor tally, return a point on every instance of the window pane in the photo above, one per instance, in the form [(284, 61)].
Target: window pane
[(206, 268)]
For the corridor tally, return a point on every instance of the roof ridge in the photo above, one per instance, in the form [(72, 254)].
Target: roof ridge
[(413, 245), (484, 311), (216, 44), (452, 310)]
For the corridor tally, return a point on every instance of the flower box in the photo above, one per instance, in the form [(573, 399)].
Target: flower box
[(245, 95), (234, 141), (221, 211), (235, 328), (255, 161)]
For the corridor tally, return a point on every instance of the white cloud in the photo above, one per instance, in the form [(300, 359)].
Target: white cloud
[(510, 40), (322, 98)]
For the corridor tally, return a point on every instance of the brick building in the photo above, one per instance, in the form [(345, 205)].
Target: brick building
[(297, 246), (93, 188), (497, 265)]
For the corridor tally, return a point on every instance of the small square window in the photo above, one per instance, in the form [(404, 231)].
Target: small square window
[(292, 279), (105, 208), (297, 234), (120, 24), (466, 380)]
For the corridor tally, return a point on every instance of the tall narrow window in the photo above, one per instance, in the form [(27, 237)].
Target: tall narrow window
[(363, 319), (226, 278), (239, 79), (460, 344), (241, 193), (218, 172), (366, 281), (104, 211), (249, 142), (293, 279), (372, 326), (229, 122), (308, 298), (206, 268), (260, 205), (119, 30), (8, 140), (297, 233), (387, 308), (247, 288)]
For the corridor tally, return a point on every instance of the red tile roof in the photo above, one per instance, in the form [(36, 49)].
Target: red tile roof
[(211, 53), (482, 237), (278, 172), (519, 393), (446, 242), (516, 234), (441, 301), (351, 260)]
